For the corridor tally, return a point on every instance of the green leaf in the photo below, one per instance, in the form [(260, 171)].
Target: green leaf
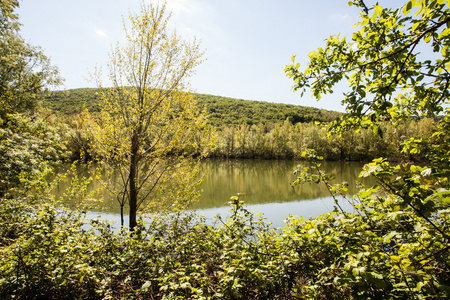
[(414, 27), (442, 197), (370, 170), (374, 18), (407, 8), (376, 275), (378, 10), (387, 238), (444, 201)]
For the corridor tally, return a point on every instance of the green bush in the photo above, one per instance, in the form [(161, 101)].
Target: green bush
[(380, 251)]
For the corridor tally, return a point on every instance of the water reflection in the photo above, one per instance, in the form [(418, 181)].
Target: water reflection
[(266, 184), (268, 181)]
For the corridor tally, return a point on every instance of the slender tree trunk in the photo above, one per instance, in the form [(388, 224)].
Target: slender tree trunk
[(133, 179), (121, 215)]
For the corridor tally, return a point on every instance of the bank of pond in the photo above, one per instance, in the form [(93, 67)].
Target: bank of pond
[(282, 140), (264, 185)]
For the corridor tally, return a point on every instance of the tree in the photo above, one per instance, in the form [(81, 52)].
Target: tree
[(149, 126), (29, 149), (8, 19), (24, 69), (27, 143), (396, 66)]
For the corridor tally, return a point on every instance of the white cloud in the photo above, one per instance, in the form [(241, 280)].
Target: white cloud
[(101, 34), (192, 17), (339, 16), (182, 6)]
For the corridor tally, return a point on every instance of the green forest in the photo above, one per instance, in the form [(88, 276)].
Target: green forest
[(256, 130), (222, 111), (150, 135)]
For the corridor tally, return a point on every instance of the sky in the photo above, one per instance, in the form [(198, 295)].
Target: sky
[(247, 43)]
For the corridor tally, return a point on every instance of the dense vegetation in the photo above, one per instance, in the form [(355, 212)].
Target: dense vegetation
[(394, 245), (222, 111), (287, 141), (252, 129), (282, 140)]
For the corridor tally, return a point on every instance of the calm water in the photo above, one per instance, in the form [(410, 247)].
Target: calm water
[(266, 184)]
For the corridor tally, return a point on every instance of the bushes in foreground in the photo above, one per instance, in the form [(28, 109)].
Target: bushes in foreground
[(59, 254), (382, 250)]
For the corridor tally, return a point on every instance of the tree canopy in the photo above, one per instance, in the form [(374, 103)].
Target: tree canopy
[(26, 147), (24, 69), (222, 111), (396, 64), (149, 120)]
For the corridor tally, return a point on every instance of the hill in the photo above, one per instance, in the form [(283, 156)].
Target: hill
[(222, 110)]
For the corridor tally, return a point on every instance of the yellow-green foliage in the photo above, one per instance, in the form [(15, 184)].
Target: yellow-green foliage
[(28, 149), (24, 70), (287, 141), (149, 125)]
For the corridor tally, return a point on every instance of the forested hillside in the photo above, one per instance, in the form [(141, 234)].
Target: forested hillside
[(222, 110), (253, 129)]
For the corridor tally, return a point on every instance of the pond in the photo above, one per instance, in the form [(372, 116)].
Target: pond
[(267, 189)]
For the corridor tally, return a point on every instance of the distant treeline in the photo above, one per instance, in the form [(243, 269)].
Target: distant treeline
[(281, 140), (222, 111), (288, 141), (257, 130)]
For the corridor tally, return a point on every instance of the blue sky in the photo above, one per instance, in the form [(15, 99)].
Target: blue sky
[(247, 42)]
